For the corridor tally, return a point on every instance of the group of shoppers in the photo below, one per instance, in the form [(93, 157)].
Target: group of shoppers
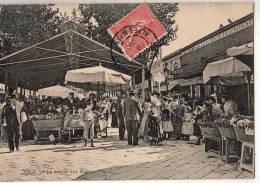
[(154, 119)]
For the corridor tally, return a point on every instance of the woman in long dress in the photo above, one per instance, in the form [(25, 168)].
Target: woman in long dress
[(154, 130), (113, 108), (188, 121), (178, 120), (143, 132)]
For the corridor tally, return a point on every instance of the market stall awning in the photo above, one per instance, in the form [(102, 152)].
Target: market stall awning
[(95, 75), (59, 91), (247, 49), (227, 67), (46, 63), (244, 53), (227, 80)]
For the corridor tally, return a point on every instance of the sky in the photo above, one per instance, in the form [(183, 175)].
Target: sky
[(195, 20)]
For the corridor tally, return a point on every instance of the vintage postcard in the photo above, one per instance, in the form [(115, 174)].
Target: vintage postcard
[(127, 91)]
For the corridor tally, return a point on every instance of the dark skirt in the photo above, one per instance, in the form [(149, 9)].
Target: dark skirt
[(28, 130), (154, 127), (196, 129), (114, 123), (177, 123)]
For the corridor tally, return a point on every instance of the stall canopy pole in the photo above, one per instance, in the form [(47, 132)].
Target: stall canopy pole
[(143, 80), (248, 98), (98, 92), (248, 75), (6, 85), (16, 87)]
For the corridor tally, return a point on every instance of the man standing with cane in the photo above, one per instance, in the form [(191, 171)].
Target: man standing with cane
[(132, 114)]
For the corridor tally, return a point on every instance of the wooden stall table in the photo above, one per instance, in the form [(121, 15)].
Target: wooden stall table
[(46, 127), (246, 137), (212, 139), (74, 130), (229, 144)]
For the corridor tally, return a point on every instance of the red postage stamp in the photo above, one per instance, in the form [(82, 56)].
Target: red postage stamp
[(137, 31)]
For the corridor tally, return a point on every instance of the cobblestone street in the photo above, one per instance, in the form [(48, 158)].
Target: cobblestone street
[(112, 159)]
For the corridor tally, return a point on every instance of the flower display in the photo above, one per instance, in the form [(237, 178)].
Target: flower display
[(245, 122)]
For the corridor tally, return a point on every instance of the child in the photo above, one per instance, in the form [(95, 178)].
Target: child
[(187, 128), (88, 119)]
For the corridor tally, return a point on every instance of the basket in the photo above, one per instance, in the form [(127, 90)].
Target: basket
[(210, 132), (46, 123), (242, 136), (227, 132)]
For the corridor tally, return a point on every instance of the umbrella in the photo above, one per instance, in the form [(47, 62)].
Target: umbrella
[(94, 76), (97, 75), (59, 91)]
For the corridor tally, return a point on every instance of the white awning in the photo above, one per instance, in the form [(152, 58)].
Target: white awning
[(246, 49), (97, 74), (59, 91), (227, 67)]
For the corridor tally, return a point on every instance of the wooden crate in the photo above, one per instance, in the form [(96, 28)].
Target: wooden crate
[(242, 136)]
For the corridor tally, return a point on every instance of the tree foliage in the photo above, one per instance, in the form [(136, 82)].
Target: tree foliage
[(24, 25), (97, 18)]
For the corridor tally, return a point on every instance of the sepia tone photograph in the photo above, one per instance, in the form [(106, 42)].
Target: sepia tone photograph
[(127, 91)]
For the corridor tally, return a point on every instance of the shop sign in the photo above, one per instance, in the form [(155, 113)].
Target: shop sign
[(192, 81), (221, 35), (186, 69)]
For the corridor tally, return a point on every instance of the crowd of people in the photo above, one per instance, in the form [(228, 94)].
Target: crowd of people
[(154, 119)]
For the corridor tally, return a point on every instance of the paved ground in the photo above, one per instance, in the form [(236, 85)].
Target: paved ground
[(112, 159)]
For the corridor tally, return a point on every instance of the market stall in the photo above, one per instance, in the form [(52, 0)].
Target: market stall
[(99, 78), (227, 73)]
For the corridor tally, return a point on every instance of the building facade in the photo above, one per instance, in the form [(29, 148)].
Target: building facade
[(185, 66)]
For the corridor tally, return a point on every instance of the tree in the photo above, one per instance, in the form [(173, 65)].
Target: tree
[(97, 18), (24, 25)]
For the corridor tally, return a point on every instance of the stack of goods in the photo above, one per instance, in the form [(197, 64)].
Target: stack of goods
[(46, 121)]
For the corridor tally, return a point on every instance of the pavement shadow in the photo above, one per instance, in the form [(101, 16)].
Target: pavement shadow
[(112, 173)]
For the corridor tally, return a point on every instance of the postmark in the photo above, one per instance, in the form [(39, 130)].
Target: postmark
[(137, 31)]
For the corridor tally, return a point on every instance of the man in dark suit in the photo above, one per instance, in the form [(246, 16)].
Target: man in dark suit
[(71, 101), (120, 118), (132, 113), (9, 119)]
